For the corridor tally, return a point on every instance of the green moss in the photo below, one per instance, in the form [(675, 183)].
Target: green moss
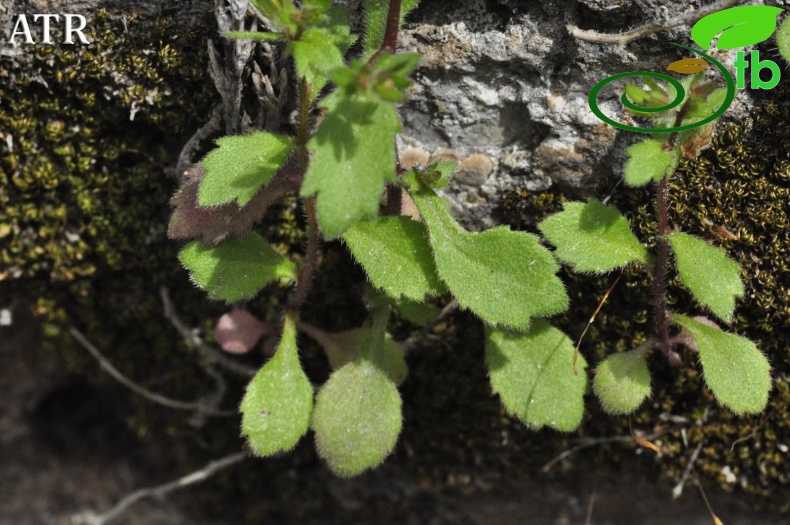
[(83, 186), (735, 195)]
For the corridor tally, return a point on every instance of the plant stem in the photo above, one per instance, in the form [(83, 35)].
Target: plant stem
[(660, 270), (305, 277), (390, 42), (662, 254)]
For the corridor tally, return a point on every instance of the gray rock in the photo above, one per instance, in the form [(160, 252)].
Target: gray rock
[(513, 84)]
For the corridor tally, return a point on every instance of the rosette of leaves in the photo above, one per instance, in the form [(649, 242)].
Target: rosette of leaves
[(596, 238)]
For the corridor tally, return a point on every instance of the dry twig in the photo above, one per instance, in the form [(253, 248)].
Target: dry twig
[(198, 406), (207, 351), (651, 28), (159, 491), (678, 490), (592, 442)]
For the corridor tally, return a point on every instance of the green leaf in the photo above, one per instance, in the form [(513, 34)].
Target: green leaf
[(396, 256), (740, 26), (236, 268), (376, 21), (593, 237), (418, 313), (622, 381), (339, 24), (357, 418), (713, 278), (315, 54), (275, 10), (505, 277), (734, 369), (343, 347), (783, 39), (240, 165), (647, 161), (703, 107), (278, 402), (533, 374), (353, 157), (254, 35)]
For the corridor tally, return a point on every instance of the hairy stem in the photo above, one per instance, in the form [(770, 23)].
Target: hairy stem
[(660, 270), (305, 277), (662, 254), (390, 42)]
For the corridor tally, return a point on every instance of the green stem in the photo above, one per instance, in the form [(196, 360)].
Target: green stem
[(375, 348)]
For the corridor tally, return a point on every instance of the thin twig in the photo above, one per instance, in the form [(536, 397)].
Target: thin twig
[(716, 520), (678, 490), (592, 442), (210, 353), (161, 490), (590, 507), (651, 28), (590, 322), (213, 125), (131, 385)]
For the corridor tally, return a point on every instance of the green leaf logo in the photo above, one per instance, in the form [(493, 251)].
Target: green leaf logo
[(739, 26)]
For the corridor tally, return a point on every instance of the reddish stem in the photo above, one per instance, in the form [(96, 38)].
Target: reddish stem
[(390, 42)]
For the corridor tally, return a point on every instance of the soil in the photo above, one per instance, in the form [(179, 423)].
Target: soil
[(65, 453)]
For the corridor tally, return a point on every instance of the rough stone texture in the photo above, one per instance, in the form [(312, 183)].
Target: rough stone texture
[(509, 81)]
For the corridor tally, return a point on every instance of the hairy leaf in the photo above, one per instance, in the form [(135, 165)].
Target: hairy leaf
[(357, 418), (214, 224), (240, 166), (647, 161), (343, 347), (235, 269), (278, 402), (712, 277), (593, 237), (505, 277), (353, 157), (622, 381), (737, 373), (533, 374), (783, 39), (396, 256), (417, 312), (316, 54), (739, 27)]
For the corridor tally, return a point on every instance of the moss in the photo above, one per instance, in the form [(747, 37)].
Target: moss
[(83, 210), (87, 132), (734, 195)]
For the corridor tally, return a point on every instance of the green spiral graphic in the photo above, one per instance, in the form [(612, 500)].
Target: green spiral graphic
[(592, 99)]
